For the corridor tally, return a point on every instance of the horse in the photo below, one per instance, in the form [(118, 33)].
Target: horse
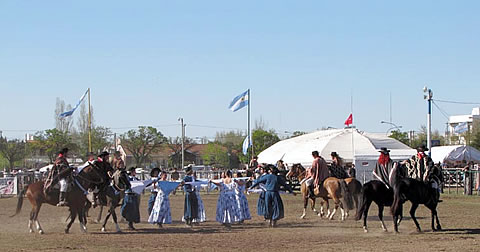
[(417, 192), (376, 191), (76, 199), (333, 188), (114, 194)]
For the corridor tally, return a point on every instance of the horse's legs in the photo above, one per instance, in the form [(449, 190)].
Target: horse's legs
[(305, 204), (412, 214), (35, 218), (114, 216), (99, 218), (365, 214), (73, 216), (105, 221), (30, 221), (380, 215), (82, 219), (313, 201), (337, 201), (439, 227)]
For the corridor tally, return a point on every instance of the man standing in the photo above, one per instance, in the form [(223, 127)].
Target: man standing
[(190, 210), (384, 167), (317, 173)]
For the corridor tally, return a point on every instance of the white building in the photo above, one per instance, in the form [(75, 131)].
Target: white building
[(454, 121)]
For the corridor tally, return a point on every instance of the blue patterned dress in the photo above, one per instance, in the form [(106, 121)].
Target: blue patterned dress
[(161, 208), (228, 211), (242, 203)]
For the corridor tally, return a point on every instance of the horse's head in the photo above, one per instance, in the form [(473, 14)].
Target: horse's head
[(91, 175), (295, 171), (120, 180)]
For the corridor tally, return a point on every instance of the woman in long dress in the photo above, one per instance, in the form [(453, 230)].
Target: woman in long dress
[(242, 201), (154, 173), (201, 216), (228, 211), (161, 208)]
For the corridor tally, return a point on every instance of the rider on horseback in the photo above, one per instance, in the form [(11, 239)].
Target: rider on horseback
[(104, 167), (317, 173), (384, 167), (336, 168), (118, 163), (62, 172)]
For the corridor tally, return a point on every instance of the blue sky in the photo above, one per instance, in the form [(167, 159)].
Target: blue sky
[(150, 62)]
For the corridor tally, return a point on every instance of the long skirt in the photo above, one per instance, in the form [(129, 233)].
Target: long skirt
[(243, 205), (202, 216), (274, 206), (130, 210), (261, 204), (151, 202), (161, 210), (227, 209), (190, 210)]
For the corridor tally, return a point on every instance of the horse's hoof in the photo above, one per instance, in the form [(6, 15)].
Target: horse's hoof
[(41, 232), (419, 230), (302, 217), (439, 228), (66, 231), (30, 231), (385, 231), (365, 230), (104, 230)]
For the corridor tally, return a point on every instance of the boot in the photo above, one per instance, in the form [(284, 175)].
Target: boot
[(130, 226), (62, 201), (311, 191)]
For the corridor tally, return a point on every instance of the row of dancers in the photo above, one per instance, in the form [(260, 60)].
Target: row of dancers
[(232, 204)]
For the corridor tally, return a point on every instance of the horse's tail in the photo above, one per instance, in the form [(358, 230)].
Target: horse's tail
[(347, 195), (397, 205), (362, 204), (20, 201)]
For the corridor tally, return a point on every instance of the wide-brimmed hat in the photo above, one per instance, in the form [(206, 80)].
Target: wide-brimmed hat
[(384, 150), (422, 148), (63, 151), (334, 154), (131, 169), (103, 154), (188, 168)]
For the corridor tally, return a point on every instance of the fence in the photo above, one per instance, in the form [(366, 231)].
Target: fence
[(457, 180)]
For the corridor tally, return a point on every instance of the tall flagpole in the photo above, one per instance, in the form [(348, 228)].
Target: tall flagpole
[(89, 124), (353, 143), (249, 133)]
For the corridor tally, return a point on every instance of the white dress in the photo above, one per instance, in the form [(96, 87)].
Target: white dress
[(161, 208), (227, 207), (242, 203)]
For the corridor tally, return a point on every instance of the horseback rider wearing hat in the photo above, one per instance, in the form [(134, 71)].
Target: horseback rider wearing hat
[(62, 173), (419, 166), (384, 167)]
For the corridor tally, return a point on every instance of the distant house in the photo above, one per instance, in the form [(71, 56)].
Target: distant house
[(165, 157), (468, 121)]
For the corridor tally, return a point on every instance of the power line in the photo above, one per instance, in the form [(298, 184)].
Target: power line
[(441, 110), (458, 102)]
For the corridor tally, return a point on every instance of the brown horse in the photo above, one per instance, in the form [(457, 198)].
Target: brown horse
[(76, 198), (333, 188)]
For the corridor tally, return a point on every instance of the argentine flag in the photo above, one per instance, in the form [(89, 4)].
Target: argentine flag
[(246, 143), (69, 113), (239, 101)]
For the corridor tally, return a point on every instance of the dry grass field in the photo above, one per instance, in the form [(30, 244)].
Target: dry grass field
[(458, 216)]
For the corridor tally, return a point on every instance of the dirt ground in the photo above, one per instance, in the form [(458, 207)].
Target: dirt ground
[(458, 216)]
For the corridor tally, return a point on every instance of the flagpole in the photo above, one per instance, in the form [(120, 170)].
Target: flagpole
[(89, 124), (249, 133), (353, 142)]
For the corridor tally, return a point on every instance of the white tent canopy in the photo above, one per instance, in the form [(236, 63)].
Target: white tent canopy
[(351, 144), (455, 153)]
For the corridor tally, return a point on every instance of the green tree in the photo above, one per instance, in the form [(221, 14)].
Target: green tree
[(50, 141), (12, 151), (216, 155), (175, 145), (400, 136), (100, 140), (421, 137), (475, 136), (142, 142), (263, 139)]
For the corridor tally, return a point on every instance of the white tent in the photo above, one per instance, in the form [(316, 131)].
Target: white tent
[(46, 168), (351, 144), (455, 153)]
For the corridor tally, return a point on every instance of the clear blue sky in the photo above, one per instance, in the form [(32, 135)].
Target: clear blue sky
[(150, 62)]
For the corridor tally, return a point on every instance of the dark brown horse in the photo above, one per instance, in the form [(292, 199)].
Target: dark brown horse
[(333, 188), (114, 194), (76, 198)]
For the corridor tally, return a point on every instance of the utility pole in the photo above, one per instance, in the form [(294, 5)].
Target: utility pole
[(428, 96), (183, 141)]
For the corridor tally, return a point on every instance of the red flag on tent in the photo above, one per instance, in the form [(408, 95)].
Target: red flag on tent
[(349, 120)]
